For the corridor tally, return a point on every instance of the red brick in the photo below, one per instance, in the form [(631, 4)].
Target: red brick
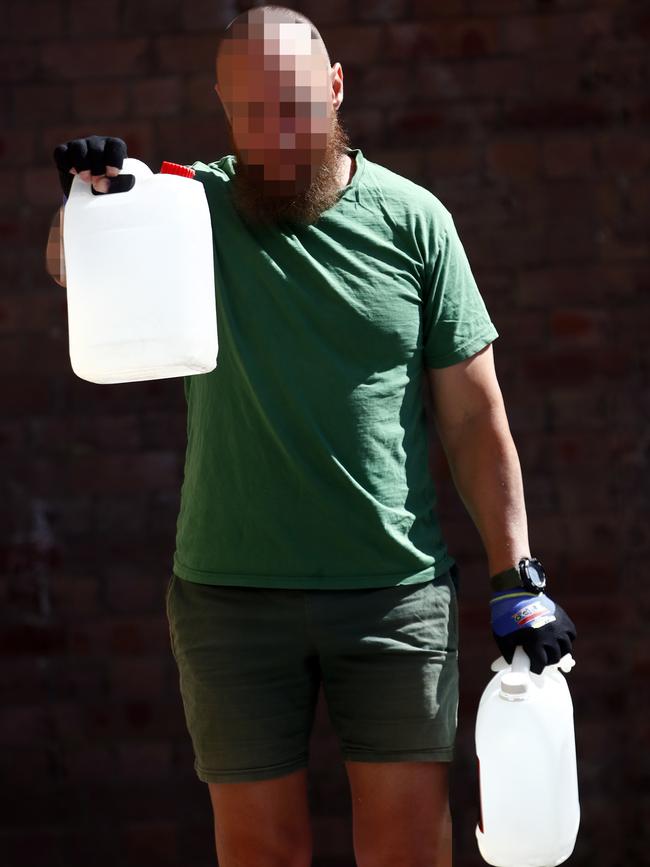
[(98, 433), (557, 82), (463, 37), (78, 680), (202, 96), (197, 138), (152, 16), (567, 156), (187, 53), (496, 7), (33, 845), (381, 10), (42, 188), (19, 767), (17, 351), (571, 284), (125, 636), (513, 157), (42, 19), (556, 114), (21, 724), (130, 592), (10, 190), (448, 160), (89, 762), (73, 597), (578, 326), (418, 122), (82, 18), (143, 760), (23, 680), (407, 161), (497, 75), (574, 367), (521, 329), (204, 15), (156, 97), (98, 100), (439, 8), (39, 639), (162, 430), (114, 473), (40, 103), (151, 840), (551, 35), (368, 124), (353, 46), (16, 148), (624, 151), (20, 61), (132, 678), (105, 57), (381, 85)]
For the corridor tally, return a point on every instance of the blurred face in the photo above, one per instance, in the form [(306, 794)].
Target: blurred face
[(281, 99)]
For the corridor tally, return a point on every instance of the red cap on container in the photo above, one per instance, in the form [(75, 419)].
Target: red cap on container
[(176, 169)]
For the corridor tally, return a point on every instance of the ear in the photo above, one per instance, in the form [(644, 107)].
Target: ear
[(336, 77)]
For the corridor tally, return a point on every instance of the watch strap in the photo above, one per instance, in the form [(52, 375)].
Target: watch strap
[(507, 579)]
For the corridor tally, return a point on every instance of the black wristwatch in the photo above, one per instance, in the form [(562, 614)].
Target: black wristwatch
[(528, 573)]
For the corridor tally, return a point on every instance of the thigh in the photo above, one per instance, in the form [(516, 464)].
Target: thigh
[(389, 661), (263, 823), (401, 814), (248, 681)]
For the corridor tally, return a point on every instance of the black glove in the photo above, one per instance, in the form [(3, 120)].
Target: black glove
[(543, 629), (94, 153)]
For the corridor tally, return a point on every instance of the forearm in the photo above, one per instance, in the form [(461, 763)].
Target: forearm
[(54, 255), (485, 468)]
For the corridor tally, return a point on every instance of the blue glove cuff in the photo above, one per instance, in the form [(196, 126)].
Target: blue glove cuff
[(512, 610)]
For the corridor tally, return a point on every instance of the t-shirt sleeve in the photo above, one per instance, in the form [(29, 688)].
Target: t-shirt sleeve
[(456, 323)]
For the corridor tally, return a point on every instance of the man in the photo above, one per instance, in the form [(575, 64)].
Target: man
[(308, 550)]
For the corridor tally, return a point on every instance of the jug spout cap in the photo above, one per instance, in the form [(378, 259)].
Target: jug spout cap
[(176, 169)]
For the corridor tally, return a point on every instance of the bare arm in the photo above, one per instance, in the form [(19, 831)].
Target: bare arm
[(54, 254), (471, 421)]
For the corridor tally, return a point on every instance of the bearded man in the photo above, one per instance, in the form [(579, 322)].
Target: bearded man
[(308, 548)]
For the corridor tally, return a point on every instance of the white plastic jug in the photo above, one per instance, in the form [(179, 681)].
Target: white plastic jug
[(140, 279), (525, 745)]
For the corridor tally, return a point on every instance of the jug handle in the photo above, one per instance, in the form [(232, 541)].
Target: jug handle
[(565, 664), (132, 171), (520, 660)]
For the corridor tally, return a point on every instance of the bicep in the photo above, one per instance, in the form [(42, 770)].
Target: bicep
[(462, 391)]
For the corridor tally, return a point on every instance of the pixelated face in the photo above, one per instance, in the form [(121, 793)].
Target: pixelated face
[(280, 97)]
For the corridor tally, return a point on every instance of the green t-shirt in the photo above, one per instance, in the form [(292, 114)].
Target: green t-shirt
[(307, 447)]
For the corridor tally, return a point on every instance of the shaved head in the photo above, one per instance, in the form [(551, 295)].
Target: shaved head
[(281, 96), (277, 27)]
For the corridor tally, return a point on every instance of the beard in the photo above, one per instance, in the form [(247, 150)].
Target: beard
[(294, 203)]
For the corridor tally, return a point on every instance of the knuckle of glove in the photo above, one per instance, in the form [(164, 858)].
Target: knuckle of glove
[(94, 152)]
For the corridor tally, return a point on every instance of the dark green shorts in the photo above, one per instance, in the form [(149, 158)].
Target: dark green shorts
[(251, 662)]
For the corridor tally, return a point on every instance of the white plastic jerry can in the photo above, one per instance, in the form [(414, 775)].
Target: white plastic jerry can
[(140, 278), (528, 781)]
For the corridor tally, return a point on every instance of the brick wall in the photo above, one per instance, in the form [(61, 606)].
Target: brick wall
[(529, 120)]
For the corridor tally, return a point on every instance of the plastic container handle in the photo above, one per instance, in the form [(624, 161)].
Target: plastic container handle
[(520, 661), (565, 664), (132, 169)]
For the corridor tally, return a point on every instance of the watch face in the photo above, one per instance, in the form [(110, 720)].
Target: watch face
[(535, 574)]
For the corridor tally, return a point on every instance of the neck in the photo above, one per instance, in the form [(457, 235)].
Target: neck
[(347, 168)]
